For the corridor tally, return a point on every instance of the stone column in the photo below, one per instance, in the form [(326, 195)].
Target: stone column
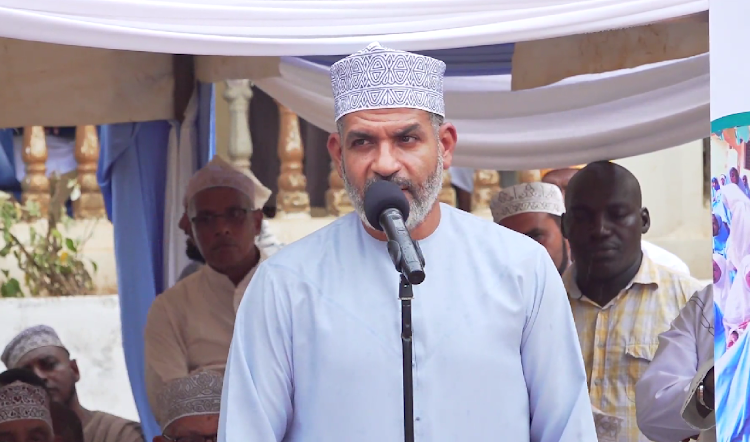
[(529, 176), (448, 193), (91, 202), (238, 95), (292, 197), (337, 200), (486, 185), (35, 185)]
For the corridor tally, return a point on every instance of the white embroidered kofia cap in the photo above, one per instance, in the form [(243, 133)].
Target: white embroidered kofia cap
[(219, 173), (194, 395), (382, 78), (19, 401), (526, 198), (28, 340)]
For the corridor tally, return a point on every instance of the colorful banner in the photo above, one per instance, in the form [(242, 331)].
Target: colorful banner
[(730, 168)]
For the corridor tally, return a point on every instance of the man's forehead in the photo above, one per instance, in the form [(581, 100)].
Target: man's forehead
[(24, 426), (385, 118), (220, 198), (40, 353), (526, 220)]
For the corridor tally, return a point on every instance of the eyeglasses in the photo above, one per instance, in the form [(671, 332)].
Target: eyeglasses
[(193, 438), (233, 216)]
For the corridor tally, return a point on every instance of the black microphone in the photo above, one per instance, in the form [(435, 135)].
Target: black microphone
[(387, 209)]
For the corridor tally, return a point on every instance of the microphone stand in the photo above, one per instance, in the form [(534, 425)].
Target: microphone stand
[(406, 294)]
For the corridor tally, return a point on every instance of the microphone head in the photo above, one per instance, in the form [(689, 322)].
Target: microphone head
[(383, 195)]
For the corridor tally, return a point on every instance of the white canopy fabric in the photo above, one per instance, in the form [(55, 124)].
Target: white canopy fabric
[(578, 120), (318, 27)]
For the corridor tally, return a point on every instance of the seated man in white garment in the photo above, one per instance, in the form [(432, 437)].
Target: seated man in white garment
[(188, 408), (317, 352), (561, 178), (189, 326), (674, 397), (25, 414), (534, 209)]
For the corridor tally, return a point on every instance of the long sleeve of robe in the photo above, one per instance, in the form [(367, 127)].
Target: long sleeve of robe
[(316, 351), (684, 351)]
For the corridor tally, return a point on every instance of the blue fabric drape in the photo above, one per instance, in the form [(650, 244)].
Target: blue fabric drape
[(477, 60), (206, 124), (132, 175), (8, 181)]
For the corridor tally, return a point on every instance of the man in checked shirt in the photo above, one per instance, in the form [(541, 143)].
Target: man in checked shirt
[(621, 300)]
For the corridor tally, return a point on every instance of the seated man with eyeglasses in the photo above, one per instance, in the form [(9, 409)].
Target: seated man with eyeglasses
[(188, 408), (190, 325)]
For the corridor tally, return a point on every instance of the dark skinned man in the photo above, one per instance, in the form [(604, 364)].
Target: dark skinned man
[(621, 300)]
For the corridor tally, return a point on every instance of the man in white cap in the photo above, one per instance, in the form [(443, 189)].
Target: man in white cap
[(561, 177), (266, 240), (317, 350), (188, 408), (534, 209), (24, 411), (189, 326), (40, 350)]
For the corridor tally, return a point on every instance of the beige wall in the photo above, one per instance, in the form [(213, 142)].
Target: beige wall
[(672, 185)]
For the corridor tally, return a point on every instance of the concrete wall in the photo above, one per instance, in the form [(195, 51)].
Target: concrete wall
[(90, 328), (672, 185)]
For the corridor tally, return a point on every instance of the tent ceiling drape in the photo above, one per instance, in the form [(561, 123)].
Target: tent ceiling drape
[(319, 27), (581, 119)]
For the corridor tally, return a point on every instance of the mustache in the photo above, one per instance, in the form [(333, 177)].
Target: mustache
[(399, 181)]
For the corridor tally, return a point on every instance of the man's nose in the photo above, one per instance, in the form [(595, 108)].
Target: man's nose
[(386, 163), (601, 226)]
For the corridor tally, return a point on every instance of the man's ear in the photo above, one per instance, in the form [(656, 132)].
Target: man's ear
[(448, 137), (257, 218), (76, 372), (334, 150), (645, 220)]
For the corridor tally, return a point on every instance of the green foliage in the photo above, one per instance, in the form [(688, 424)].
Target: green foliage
[(51, 263)]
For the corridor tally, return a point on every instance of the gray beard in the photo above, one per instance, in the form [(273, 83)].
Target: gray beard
[(423, 198)]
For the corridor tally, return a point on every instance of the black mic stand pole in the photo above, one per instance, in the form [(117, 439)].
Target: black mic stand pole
[(406, 294)]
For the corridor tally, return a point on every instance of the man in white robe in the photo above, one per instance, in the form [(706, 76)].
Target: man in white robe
[(561, 177), (188, 408), (316, 353), (189, 326), (668, 401)]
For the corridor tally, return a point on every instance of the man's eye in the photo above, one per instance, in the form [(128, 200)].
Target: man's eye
[(359, 142), (408, 139)]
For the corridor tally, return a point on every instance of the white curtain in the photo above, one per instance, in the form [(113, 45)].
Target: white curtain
[(578, 120), (180, 168), (318, 27)]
